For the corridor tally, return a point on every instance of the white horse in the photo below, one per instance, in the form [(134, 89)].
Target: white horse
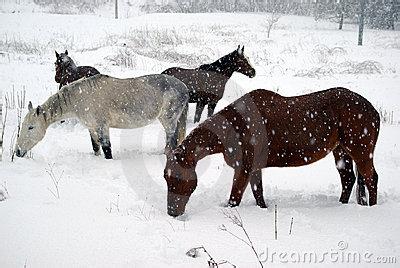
[(102, 102)]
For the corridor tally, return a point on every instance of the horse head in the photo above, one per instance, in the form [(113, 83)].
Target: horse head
[(63, 61), (32, 130), (181, 180), (242, 63)]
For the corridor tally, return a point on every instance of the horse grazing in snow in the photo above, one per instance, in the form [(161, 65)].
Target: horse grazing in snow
[(67, 72), (264, 129), (102, 102), (207, 82)]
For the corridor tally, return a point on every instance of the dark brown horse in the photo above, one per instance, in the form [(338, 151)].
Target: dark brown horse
[(206, 83), (264, 129), (67, 72)]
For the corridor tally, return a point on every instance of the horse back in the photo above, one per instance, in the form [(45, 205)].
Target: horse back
[(86, 71), (124, 103), (72, 75), (203, 84), (294, 131)]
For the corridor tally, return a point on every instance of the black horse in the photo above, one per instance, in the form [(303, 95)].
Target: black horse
[(67, 71), (207, 82)]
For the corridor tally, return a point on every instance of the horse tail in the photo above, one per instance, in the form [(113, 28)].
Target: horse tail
[(174, 111), (182, 98)]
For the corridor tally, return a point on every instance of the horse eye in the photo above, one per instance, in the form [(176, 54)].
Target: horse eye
[(30, 128)]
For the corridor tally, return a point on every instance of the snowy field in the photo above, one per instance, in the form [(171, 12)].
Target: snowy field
[(112, 213)]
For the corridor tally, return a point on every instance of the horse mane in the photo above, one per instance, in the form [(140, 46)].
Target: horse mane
[(54, 104), (219, 65), (63, 97), (70, 64)]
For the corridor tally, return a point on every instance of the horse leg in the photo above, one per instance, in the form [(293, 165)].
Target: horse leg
[(367, 170), (360, 190), (257, 188), (211, 108), (63, 80), (240, 182), (344, 164), (199, 110), (95, 141), (104, 139)]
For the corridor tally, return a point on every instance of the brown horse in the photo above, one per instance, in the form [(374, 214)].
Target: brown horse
[(206, 83), (67, 72), (264, 129)]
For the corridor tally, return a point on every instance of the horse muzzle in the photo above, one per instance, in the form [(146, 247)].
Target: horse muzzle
[(252, 74), (174, 213), (176, 204), (20, 153)]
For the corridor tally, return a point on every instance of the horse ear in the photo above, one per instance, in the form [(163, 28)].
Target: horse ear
[(39, 110), (30, 106), (66, 52), (57, 55), (240, 50)]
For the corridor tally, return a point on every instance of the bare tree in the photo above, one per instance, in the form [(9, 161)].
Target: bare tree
[(341, 14), (116, 9), (361, 23), (272, 19)]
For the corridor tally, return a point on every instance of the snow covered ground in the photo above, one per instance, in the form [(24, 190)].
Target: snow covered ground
[(113, 213)]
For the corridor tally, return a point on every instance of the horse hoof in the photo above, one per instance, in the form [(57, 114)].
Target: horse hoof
[(362, 201), (371, 202), (97, 153), (232, 204), (262, 205)]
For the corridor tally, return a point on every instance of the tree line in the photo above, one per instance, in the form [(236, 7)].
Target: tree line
[(379, 14)]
